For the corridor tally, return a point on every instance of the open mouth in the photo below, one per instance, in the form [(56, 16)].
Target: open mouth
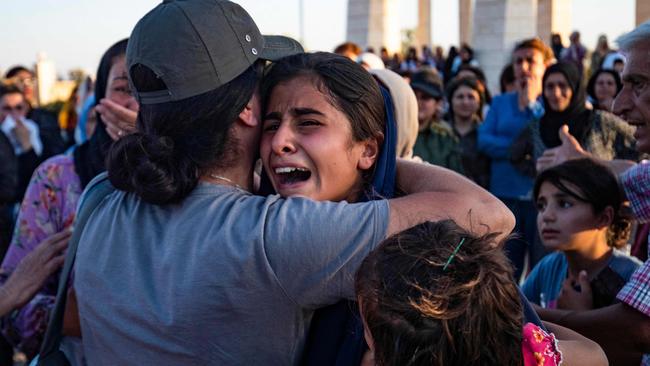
[(291, 175)]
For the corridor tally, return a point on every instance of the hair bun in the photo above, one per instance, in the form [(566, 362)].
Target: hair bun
[(151, 167)]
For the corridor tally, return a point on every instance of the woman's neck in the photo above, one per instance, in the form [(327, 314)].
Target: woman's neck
[(463, 125), (591, 257)]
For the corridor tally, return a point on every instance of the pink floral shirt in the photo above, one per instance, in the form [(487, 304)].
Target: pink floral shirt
[(539, 348), (48, 207)]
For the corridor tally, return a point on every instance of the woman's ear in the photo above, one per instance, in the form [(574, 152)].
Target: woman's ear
[(605, 218), (369, 154), (250, 115)]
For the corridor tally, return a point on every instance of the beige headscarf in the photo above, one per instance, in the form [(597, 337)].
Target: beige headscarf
[(406, 110)]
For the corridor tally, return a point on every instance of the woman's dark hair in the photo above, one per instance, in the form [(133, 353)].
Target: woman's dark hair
[(596, 185), (591, 85), (90, 157), (507, 77), (471, 83), (15, 70), (177, 142), (480, 76), (421, 313), (351, 89)]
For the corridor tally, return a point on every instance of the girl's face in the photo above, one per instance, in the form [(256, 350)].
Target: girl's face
[(557, 91), (117, 87), (565, 223), (465, 102), (307, 147), (605, 87)]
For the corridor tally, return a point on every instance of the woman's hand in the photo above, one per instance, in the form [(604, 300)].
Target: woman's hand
[(119, 120), (33, 270)]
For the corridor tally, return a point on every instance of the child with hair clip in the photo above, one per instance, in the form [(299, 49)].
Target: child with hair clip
[(578, 205), (437, 295)]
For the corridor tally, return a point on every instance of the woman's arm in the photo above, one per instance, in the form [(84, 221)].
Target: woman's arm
[(435, 193), (576, 349), (622, 331), (32, 272)]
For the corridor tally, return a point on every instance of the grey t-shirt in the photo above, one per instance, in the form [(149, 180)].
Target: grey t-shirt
[(223, 278)]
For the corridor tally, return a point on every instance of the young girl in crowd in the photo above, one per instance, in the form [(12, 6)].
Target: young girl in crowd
[(466, 100), (578, 205), (438, 295)]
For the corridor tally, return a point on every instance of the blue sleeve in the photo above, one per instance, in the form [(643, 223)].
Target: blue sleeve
[(490, 141)]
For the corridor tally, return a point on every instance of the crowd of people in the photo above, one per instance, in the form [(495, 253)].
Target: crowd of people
[(264, 205)]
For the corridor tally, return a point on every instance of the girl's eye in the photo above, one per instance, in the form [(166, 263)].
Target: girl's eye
[(540, 206), (122, 90), (564, 204), (309, 123), (271, 126)]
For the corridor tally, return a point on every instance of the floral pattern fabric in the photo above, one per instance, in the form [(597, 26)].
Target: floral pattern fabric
[(539, 348), (48, 207)]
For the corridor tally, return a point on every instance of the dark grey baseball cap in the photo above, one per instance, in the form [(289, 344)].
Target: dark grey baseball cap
[(195, 46)]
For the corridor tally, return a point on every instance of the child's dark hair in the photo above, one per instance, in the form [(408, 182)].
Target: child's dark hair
[(419, 313), (596, 185)]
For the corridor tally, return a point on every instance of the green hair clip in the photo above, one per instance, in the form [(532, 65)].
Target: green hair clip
[(451, 257)]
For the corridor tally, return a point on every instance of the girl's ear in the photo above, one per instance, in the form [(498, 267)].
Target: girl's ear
[(605, 218), (369, 154)]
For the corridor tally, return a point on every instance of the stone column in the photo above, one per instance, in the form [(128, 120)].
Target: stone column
[(498, 24), (374, 23), (423, 31), (642, 11), (554, 16), (466, 20)]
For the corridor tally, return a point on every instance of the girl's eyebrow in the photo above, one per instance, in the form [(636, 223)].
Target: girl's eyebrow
[(304, 111), (295, 112)]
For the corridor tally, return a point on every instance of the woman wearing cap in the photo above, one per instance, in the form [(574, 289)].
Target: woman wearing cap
[(182, 265), (436, 143)]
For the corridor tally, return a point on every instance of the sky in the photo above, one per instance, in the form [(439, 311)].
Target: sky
[(75, 33)]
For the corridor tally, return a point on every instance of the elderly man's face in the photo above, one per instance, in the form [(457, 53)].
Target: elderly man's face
[(633, 102)]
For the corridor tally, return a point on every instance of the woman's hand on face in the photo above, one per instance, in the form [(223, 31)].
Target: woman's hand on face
[(119, 120), (35, 268)]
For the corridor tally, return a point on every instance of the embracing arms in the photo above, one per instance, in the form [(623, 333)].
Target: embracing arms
[(435, 193)]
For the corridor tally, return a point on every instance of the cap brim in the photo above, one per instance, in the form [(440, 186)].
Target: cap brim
[(432, 91), (277, 47)]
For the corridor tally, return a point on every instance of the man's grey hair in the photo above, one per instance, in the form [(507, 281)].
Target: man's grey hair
[(639, 34)]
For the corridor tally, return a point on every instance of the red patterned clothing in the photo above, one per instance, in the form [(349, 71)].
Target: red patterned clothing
[(539, 348)]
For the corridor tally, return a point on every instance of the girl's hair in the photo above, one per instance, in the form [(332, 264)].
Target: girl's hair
[(179, 141), (350, 88), (480, 75), (420, 313), (596, 185), (507, 77), (471, 83)]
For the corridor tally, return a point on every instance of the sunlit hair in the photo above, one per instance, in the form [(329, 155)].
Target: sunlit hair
[(418, 313), (537, 44), (629, 40), (594, 184)]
